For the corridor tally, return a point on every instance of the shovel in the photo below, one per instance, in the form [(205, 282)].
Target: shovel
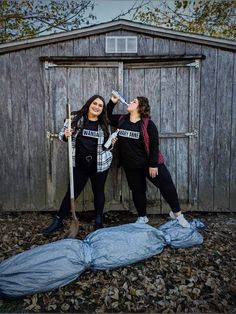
[(74, 227)]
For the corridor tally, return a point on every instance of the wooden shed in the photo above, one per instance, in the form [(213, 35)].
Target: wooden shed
[(190, 81)]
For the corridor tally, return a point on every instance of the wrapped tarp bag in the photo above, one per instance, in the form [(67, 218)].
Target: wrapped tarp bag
[(183, 237), (43, 268), (55, 265), (123, 245)]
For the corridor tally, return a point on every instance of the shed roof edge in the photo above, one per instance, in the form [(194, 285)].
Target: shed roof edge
[(118, 25)]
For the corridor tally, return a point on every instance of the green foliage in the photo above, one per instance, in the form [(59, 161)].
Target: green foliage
[(29, 18), (209, 17)]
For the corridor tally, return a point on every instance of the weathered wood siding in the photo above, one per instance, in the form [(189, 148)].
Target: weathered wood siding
[(232, 166), (216, 125), (33, 169), (7, 173), (36, 129), (23, 132), (20, 125)]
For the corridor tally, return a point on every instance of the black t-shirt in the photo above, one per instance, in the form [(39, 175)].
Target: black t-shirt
[(131, 146), (132, 151), (87, 140)]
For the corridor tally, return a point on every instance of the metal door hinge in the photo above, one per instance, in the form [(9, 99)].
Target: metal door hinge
[(195, 64), (48, 65), (194, 133), (50, 136)]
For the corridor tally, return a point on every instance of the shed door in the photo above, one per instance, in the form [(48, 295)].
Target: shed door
[(172, 92), (78, 83)]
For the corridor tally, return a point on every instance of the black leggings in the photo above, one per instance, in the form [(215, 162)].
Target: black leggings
[(82, 173), (137, 183)]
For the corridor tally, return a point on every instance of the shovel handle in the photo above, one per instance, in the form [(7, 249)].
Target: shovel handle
[(68, 109)]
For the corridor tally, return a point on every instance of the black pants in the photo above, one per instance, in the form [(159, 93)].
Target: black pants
[(82, 172), (137, 183)]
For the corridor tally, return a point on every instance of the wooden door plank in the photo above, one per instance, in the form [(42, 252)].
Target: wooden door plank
[(37, 138), (207, 129), (107, 81), (75, 96), (152, 91), (223, 130), (182, 125), (194, 83), (59, 152), (7, 178), (20, 115), (168, 122), (232, 205), (90, 88)]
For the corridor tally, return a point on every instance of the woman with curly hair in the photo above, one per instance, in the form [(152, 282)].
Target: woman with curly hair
[(140, 157), (89, 131)]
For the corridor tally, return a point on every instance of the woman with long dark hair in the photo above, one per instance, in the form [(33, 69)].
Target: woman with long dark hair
[(138, 144), (89, 131)]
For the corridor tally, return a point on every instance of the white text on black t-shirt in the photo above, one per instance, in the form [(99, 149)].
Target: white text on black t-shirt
[(129, 134), (90, 133)]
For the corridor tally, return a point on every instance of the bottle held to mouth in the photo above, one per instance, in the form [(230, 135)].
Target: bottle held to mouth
[(121, 98)]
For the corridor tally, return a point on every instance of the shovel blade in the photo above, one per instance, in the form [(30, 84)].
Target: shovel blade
[(74, 229)]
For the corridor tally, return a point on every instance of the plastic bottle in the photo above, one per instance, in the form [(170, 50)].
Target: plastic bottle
[(121, 98), (111, 137)]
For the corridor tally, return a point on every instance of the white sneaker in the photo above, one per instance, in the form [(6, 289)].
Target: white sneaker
[(182, 221), (142, 220), (172, 215)]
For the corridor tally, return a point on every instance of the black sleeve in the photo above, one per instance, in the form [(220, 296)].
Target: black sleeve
[(113, 118), (154, 144)]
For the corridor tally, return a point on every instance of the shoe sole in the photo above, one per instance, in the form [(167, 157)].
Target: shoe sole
[(46, 234)]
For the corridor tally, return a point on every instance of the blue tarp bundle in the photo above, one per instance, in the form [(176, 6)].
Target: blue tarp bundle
[(54, 265)]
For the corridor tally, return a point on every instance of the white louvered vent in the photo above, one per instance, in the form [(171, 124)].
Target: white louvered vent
[(121, 44)]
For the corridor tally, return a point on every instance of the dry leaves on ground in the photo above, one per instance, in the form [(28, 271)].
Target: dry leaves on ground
[(198, 279)]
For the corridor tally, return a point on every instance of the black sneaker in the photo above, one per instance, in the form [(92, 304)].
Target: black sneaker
[(56, 225)]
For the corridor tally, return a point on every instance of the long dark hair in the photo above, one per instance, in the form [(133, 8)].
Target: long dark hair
[(83, 112), (144, 107)]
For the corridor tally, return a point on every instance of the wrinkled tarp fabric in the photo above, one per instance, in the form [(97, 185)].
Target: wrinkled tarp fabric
[(54, 265)]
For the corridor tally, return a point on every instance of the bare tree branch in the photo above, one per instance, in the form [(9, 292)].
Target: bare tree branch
[(134, 7), (205, 17), (27, 18)]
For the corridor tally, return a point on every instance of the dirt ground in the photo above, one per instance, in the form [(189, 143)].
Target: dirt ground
[(193, 280)]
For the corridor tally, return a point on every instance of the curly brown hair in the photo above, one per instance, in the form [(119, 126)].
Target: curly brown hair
[(144, 108)]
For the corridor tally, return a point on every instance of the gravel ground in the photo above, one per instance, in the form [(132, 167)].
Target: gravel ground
[(194, 280)]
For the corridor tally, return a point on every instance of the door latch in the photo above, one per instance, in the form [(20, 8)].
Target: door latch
[(50, 136), (192, 134)]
